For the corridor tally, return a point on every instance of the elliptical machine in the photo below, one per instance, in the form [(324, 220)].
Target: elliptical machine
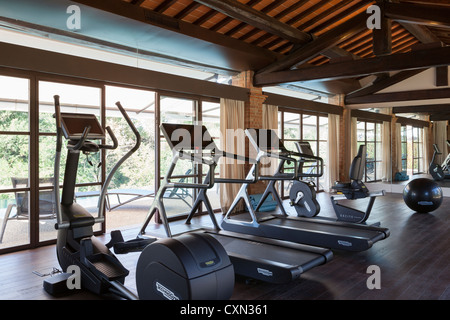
[(192, 266)]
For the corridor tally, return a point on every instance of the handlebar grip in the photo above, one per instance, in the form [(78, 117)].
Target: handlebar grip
[(82, 139), (57, 112), (130, 124), (114, 139)]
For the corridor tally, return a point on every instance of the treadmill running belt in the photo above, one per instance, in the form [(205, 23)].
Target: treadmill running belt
[(322, 233), (270, 260)]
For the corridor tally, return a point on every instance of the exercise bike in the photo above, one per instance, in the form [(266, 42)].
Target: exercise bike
[(302, 193), (438, 171), (303, 197), (192, 266)]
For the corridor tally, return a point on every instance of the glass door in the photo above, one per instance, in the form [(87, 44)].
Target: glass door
[(14, 162), (73, 99), (132, 186), (177, 201), (210, 115)]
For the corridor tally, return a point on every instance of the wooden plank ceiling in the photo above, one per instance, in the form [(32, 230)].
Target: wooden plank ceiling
[(304, 35), (313, 17)]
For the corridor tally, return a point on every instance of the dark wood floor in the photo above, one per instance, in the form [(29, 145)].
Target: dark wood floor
[(414, 263)]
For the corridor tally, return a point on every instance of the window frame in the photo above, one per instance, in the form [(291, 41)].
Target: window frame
[(377, 160), (315, 144)]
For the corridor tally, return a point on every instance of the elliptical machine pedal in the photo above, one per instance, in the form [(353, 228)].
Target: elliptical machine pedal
[(121, 246)]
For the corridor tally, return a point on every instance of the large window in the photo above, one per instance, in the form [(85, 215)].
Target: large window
[(73, 99), (305, 127), (137, 174), (412, 149), (210, 118), (369, 134), (404, 139), (28, 143), (183, 110), (417, 152), (14, 162)]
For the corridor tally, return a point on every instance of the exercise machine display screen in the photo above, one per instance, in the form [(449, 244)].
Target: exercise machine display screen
[(73, 125)]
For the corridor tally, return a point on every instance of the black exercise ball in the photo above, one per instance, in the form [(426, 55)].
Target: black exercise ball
[(422, 195)]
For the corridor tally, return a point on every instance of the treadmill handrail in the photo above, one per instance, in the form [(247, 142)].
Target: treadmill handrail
[(309, 157)]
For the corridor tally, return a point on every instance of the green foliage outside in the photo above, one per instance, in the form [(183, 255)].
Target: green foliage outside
[(138, 171)]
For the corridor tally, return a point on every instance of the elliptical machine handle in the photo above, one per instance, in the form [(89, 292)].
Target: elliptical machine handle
[(57, 112), (131, 125), (114, 139), (83, 138), (101, 199)]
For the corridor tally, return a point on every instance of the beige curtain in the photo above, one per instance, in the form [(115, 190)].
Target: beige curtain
[(270, 117), (386, 164), (269, 121), (232, 141), (425, 150), (354, 134), (332, 166), (440, 137), (398, 147)]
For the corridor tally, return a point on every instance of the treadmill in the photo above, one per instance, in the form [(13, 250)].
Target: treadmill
[(320, 232), (269, 260)]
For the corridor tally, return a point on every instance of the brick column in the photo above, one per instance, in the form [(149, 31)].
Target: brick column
[(252, 117)]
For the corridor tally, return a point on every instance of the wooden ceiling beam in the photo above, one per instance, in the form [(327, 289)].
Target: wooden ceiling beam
[(137, 2), (440, 117), (418, 13), (385, 83), (427, 109), (427, 94), (421, 32), (244, 13), (262, 21), (241, 25), (441, 76), (381, 37), (321, 44), (348, 69), (134, 12)]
